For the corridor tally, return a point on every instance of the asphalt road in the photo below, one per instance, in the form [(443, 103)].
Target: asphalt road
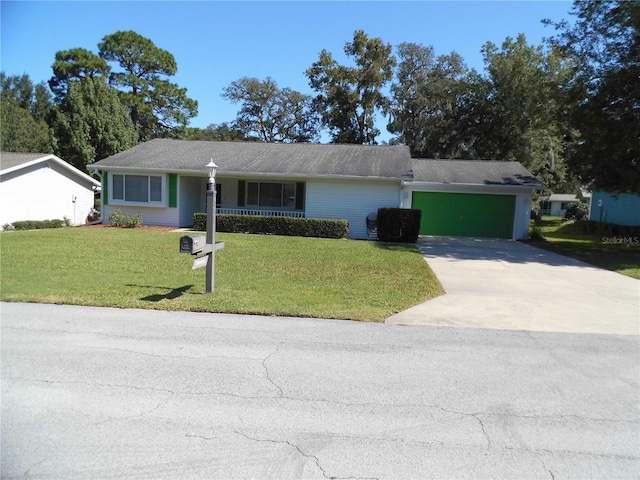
[(104, 393)]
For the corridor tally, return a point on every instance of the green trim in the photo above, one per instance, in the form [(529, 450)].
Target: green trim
[(105, 189), (173, 190)]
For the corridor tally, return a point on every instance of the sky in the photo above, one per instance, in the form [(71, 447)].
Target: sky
[(215, 42)]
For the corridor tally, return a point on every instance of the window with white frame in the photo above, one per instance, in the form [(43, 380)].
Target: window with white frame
[(135, 188)]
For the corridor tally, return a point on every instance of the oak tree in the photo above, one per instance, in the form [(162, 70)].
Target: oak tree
[(272, 114), (605, 41), (348, 97)]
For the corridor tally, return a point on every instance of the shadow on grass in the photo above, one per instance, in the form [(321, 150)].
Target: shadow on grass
[(395, 247), (611, 257), (172, 293)]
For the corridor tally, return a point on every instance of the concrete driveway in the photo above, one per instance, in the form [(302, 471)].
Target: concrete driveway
[(503, 284)]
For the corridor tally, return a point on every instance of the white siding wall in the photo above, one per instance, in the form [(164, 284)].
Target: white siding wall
[(161, 216), (522, 216), (44, 191), (229, 192), (557, 210), (350, 200)]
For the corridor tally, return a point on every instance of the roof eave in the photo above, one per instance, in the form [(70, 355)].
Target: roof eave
[(241, 173), (504, 185), (58, 161)]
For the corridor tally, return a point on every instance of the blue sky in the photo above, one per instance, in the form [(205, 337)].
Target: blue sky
[(215, 43)]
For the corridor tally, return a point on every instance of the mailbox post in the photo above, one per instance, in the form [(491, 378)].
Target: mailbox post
[(206, 246), (211, 225)]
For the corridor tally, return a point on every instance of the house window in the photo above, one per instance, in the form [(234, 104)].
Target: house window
[(271, 194), (137, 188)]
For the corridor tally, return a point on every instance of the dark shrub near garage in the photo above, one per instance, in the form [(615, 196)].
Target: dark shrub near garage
[(398, 225)]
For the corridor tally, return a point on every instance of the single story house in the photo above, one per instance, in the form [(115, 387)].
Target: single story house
[(41, 186), (166, 181), (623, 209), (556, 205)]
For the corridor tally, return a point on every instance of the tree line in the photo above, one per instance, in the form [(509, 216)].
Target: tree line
[(568, 110)]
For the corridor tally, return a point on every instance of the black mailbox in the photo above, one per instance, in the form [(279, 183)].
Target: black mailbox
[(192, 244)]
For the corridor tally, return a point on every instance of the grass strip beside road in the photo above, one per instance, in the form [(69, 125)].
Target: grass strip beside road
[(617, 253), (255, 274)]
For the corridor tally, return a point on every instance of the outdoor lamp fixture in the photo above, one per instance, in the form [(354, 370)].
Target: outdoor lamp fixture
[(211, 168), (211, 225)]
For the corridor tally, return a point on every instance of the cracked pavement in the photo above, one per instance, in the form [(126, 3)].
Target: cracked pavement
[(107, 393)]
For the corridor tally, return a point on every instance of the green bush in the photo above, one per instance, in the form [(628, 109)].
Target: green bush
[(35, 224), (119, 219), (398, 225), (576, 211), (200, 221), (267, 225), (536, 235)]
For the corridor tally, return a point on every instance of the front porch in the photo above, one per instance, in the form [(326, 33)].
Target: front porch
[(263, 213)]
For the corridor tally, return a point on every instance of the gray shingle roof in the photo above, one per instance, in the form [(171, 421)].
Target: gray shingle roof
[(563, 197), (265, 158), (473, 172), (10, 159), (305, 159)]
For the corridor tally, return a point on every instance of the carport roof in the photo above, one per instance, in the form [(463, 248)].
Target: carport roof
[(475, 172), (302, 159)]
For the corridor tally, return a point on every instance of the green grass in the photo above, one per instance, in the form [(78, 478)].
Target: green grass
[(569, 239), (255, 274)]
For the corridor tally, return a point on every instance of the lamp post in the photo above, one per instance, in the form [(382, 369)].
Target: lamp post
[(211, 224)]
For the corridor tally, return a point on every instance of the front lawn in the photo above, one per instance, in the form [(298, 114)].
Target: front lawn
[(616, 252), (255, 274)]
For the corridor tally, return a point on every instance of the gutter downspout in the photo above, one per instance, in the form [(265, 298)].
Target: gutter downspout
[(99, 174), (404, 194)]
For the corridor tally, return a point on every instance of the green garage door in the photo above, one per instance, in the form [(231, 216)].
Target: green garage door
[(465, 214)]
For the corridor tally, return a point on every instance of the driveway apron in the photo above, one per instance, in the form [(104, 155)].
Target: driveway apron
[(503, 284)]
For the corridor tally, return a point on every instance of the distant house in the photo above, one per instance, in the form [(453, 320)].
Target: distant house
[(166, 180), (623, 209), (556, 205), (39, 186)]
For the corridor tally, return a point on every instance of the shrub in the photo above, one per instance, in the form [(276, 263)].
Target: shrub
[(535, 235), (267, 225), (200, 221), (119, 219), (576, 211), (35, 224), (399, 225)]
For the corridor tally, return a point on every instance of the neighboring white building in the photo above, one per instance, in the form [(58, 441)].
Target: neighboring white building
[(40, 186), (556, 205), (165, 180)]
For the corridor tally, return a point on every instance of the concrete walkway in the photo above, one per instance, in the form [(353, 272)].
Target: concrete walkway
[(503, 284)]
